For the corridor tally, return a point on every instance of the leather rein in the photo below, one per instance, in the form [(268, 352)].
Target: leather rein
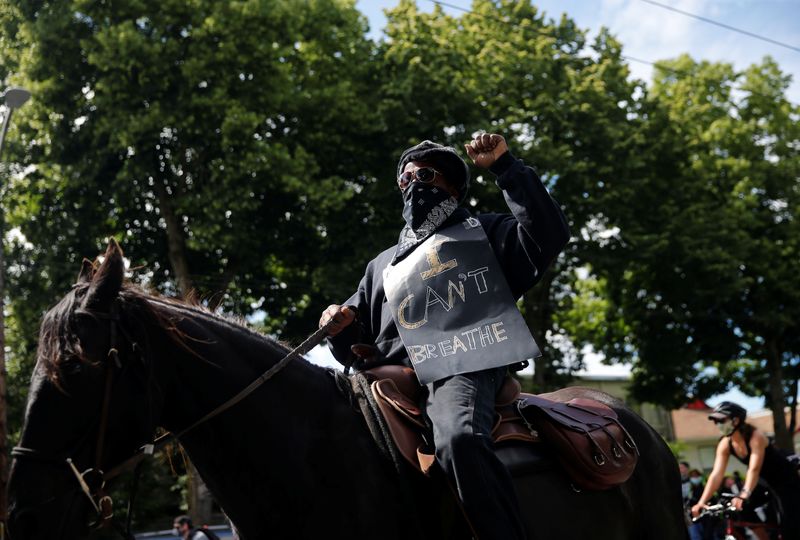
[(92, 481)]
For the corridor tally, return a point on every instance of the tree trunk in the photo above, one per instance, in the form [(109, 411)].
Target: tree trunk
[(783, 439), (200, 500), (793, 408), (176, 241), (201, 503), (539, 318), (3, 376)]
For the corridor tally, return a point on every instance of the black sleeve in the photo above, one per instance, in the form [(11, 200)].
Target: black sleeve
[(531, 237), (358, 331)]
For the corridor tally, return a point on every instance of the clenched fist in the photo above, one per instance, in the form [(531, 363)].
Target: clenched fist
[(340, 317), (486, 148)]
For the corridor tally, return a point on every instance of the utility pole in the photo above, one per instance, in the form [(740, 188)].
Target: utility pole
[(13, 98)]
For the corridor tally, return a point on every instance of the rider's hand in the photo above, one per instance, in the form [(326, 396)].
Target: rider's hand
[(737, 503), (342, 316), (696, 509), (486, 148)]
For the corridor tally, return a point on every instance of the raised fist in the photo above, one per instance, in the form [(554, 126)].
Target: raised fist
[(486, 148)]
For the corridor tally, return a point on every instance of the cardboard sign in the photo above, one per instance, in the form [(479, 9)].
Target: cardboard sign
[(453, 307)]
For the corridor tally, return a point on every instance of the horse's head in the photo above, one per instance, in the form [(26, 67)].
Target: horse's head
[(91, 404)]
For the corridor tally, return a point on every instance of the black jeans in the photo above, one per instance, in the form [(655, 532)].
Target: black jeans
[(461, 409)]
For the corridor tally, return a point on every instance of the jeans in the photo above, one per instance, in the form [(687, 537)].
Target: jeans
[(461, 410), (696, 531)]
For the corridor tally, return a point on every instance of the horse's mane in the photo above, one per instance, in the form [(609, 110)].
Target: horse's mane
[(60, 348)]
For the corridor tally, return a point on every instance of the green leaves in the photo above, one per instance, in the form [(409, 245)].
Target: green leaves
[(709, 282), (248, 149)]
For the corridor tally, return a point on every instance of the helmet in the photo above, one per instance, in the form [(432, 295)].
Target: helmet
[(728, 409)]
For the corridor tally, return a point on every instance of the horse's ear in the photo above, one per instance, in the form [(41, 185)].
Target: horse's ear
[(86, 273), (107, 280)]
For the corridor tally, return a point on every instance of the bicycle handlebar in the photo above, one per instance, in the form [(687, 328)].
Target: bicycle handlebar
[(714, 510)]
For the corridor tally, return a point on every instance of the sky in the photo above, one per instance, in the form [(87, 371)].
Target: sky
[(594, 366), (652, 33)]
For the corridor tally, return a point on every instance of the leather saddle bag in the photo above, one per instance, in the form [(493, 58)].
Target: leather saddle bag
[(587, 438)]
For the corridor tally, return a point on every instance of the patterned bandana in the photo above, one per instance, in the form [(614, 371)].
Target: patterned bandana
[(425, 208)]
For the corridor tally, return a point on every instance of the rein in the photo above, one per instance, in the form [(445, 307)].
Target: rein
[(158, 444), (92, 481)]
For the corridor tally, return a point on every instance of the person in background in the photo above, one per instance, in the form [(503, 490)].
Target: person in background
[(683, 467), (729, 486), (763, 461), (182, 527), (694, 481), (737, 478)]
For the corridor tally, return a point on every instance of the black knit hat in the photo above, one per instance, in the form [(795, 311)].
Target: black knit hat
[(444, 159)]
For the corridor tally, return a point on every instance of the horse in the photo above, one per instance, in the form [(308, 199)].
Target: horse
[(295, 459)]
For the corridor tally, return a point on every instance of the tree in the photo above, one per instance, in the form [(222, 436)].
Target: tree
[(706, 271), (220, 142), (564, 104)]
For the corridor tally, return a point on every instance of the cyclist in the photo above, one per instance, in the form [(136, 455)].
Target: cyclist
[(751, 446)]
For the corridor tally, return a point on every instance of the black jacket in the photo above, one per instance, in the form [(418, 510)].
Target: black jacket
[(525, 242)]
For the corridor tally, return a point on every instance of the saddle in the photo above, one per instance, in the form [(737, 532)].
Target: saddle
[(584, 435)]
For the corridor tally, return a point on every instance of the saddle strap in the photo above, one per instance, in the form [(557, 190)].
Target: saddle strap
[(398, 413), (387, 389), (592, 445)]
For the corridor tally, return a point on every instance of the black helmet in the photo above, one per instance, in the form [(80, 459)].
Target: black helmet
[(728, 409)]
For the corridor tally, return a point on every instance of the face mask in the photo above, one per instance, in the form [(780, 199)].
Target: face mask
[(420, 202), (725, 428), (176, 531), (695, 480)]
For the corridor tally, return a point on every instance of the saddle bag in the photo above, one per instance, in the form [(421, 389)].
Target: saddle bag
[(587, 438)]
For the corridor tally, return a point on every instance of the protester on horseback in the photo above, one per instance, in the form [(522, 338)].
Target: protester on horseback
[(446, 259), (311, 453), (764, 463)]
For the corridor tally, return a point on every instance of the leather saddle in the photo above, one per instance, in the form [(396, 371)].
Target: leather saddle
[(398, 393), (583, 435)]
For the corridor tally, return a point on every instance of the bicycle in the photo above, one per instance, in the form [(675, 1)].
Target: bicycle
[(737, 529)]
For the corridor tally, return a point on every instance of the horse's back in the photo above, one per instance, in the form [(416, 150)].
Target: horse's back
[(647, 506)]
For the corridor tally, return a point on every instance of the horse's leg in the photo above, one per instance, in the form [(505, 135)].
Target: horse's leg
[(437, 506), (552, 508), (648, 506), (655, 484)]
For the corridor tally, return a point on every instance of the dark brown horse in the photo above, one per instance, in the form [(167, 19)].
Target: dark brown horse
[(292, 460)]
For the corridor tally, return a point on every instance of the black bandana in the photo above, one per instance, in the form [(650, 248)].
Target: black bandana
[(425, 208)]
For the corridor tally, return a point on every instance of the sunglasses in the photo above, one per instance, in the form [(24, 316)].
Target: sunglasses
[(423, 175)]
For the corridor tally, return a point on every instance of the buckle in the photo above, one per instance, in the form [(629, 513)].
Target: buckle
[(92, 482)]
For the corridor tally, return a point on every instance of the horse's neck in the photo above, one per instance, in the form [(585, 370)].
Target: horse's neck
[(207, 361), (268, 445)]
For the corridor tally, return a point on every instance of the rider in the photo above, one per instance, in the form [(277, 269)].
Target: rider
[(751, 446), (434, 180)]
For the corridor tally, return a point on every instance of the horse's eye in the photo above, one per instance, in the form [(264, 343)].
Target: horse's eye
[(71, 365), (81, 316)]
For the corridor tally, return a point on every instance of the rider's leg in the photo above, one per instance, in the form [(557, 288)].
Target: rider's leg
[(461, 409)]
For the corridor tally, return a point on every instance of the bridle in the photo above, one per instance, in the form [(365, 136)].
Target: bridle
[(92, 481)]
